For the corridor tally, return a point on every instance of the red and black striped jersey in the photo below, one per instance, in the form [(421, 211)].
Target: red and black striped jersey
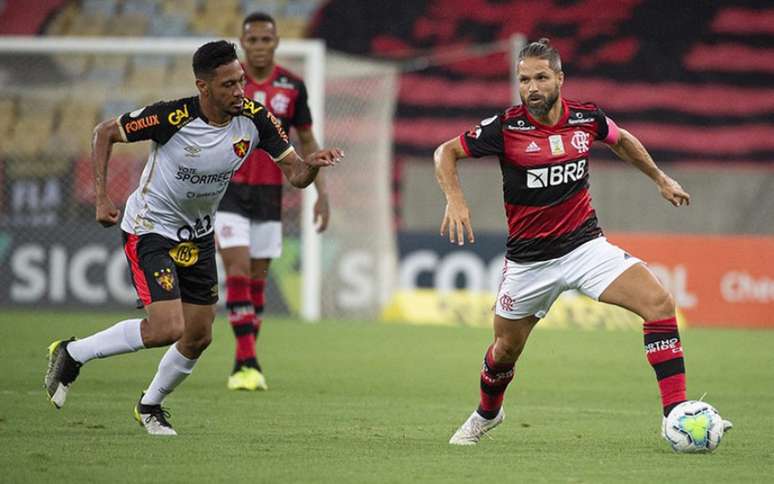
[(545, 176), (256, 189)]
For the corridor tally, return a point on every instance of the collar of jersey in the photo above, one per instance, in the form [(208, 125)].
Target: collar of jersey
[(206, 120)]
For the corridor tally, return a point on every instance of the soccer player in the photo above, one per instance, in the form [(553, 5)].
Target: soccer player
[(197, 145), (554, 240), (247, 225)]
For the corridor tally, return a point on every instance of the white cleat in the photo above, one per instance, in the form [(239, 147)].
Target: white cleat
[(474, 428), (154, 419)]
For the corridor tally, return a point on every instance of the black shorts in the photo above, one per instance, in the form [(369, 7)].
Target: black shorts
[(164, 269), (256, 202)]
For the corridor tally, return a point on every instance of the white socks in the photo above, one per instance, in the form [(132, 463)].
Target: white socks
[(123, 337), (173, 369)]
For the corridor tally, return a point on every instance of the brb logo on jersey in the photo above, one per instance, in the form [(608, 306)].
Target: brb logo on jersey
[(552, 176)]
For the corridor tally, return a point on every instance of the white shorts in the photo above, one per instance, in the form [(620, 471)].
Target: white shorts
[(531, 288), (264, 238)]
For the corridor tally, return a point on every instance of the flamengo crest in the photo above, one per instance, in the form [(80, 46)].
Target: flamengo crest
[(580, 141)]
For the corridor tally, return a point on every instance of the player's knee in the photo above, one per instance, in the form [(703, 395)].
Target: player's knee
[(507, 350), (195, 344), (662, 305), (171, 328), (202, 342), (162, 330), (238, 269)]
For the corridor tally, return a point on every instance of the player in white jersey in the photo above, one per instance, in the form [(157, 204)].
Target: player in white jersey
[(197, 145)]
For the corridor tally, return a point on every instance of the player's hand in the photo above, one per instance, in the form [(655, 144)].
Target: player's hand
[(673, 192), (107, 214), (456, 220), (322, 213), (326, 157)]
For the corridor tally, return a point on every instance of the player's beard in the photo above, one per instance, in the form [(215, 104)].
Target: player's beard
[(540, 110)]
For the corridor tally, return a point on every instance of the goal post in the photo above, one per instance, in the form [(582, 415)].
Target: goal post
[(309, 55)]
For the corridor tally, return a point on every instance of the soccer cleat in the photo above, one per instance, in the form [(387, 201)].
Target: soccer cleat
[(247, 378), (475, 427), (61, 373), (153, 418)]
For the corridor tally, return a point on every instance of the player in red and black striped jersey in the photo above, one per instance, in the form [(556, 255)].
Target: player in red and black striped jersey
[(554, 240), (248, 222)]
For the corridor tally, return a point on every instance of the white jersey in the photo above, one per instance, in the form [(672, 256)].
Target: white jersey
[(190, 163)]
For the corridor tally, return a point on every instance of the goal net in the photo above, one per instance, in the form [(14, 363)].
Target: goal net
[(55, 90)]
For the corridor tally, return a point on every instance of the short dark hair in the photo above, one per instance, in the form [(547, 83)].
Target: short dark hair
[(212, 55), (542, 49), (259, 17)]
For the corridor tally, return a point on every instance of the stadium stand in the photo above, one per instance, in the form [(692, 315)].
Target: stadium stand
[(34, 129), (694, 84)]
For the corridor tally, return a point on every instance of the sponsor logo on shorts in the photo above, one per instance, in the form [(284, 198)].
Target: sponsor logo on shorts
[(165, 278), (142, 123), (185, 254), (226, 231)]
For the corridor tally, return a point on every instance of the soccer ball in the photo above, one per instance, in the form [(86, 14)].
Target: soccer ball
[(694, 426)]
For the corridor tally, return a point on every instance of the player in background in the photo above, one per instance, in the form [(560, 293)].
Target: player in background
[(248, 223), (197, 145), (554, 241)]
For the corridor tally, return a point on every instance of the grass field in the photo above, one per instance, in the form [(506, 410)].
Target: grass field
[(364, 402)]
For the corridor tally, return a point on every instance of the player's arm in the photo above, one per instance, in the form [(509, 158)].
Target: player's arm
[(322, 211), (105, 135), (630, 149), (300, 172), (456, 218)]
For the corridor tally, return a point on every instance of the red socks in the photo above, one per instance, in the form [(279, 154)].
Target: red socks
[(665, 355), (241, 315), (257, 288), (494, 380)]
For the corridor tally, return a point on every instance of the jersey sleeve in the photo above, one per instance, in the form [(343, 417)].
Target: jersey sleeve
[(273, 139), (302, 116), (607, 130), (157, 122), (484, 139)]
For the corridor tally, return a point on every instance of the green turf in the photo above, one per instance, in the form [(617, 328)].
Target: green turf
[(364, 402)]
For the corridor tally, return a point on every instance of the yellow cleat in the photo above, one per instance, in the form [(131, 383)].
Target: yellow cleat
[(249, 379)]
